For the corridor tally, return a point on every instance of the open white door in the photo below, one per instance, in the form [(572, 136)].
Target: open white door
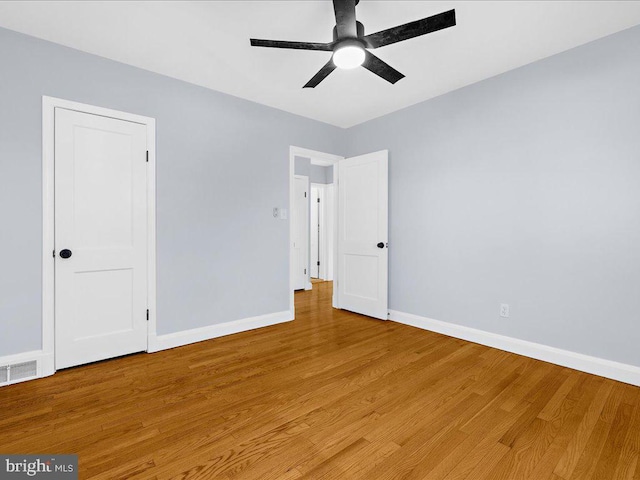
[(100, 237), (300, 219), (362, 234)]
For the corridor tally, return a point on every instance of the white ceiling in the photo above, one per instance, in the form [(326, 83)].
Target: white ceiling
[(207, 43)]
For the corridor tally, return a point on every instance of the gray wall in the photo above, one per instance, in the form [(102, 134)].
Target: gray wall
[(301, 166), (523, 189), (320, 174), (222, 165), (316, 173)]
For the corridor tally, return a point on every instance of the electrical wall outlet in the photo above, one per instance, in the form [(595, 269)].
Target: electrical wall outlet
[(276, 213), (504, 310)]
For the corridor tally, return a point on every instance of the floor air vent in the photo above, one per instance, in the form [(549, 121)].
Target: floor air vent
[(21, 371), (18, 372)]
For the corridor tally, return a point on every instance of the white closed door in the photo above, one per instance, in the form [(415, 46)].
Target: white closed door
[(315, 233), (101, 229), (363, 234), (300, 241)]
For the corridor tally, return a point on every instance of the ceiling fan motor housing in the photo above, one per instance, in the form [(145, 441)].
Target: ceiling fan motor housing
[(359, 30)]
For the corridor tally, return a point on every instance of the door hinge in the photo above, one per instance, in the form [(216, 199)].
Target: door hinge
[(318, 200), (305, 194), (147, 314), (318, 262), (54, 254), (305, 271), (147, 155)]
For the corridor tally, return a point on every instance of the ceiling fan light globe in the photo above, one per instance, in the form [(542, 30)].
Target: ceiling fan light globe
[(348, 56)]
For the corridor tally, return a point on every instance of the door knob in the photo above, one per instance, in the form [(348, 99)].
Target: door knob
[(66, 253), (380, 245)]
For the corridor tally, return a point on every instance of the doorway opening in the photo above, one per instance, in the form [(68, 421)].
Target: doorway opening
[(358, 223), (311, 220)]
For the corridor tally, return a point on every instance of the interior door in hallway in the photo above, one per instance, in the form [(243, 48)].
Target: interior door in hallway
[(100, 237), (315, 233), (300, 240), (363, 234)]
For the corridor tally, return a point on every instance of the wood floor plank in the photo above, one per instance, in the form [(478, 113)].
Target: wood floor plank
[(563, 424), (486, 435), (488, 462), (578, 442), (610, 455), (331, 395), (630, 449), (591, 454), (540, 394), (555, 403)]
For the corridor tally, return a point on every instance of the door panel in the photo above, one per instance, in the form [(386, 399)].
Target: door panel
[(103, 189), (101, 216), (363, 224), (105, 298), (360, 201), (361, 276)]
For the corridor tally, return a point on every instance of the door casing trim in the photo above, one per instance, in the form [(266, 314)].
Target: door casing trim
[(49, 104)]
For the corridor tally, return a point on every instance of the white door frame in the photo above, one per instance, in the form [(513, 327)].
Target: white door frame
[(318, 158), (49, 104)]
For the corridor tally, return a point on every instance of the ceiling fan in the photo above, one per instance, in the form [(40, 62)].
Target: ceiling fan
[(350, 45)]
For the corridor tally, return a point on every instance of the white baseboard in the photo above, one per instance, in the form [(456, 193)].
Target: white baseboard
[(578, 361), (178, 339), (44, 364)]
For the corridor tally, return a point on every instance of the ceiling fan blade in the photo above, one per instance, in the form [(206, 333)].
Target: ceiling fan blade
[(380, 68), (345, 11), (327, 47), (411, 30), (321, 75)]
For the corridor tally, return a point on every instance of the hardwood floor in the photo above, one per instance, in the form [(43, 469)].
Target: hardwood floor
[(332, 395)]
